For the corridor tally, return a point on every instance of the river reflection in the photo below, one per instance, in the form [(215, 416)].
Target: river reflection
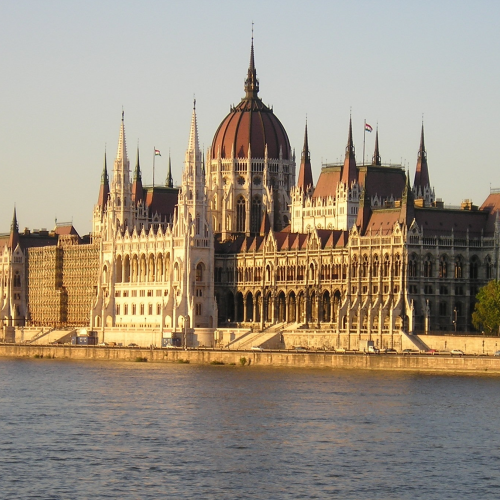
[(144, 431)]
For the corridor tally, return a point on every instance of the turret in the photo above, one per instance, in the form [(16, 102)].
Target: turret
[(421, 185), (169, 181), (102, 201), (305, 180), (137, 191), (349, 171), (14, 232), (376, 159)]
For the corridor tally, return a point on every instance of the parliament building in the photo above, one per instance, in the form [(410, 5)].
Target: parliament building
[(249, 245)]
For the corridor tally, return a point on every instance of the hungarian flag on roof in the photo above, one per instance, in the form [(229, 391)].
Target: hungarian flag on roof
[(157, 152), (368, 128)]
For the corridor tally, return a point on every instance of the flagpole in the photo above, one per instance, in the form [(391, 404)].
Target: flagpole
[(154, 156), (364, 134)]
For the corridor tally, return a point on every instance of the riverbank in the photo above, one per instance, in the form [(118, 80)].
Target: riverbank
[(314, 359)]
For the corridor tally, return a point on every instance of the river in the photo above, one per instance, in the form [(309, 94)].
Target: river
[(92, 430)]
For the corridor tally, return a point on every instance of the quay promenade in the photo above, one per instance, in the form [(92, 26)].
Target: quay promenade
[(471, 364)]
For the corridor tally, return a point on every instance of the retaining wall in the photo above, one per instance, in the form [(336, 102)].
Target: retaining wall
[(426, 363)]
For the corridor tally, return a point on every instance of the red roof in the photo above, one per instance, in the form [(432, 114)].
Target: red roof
[(251, 123)]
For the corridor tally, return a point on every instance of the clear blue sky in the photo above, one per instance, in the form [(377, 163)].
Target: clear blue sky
[(68, 67)]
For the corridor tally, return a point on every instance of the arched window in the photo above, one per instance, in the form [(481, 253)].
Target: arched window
[(256, 217), (443, 266), (311, 272), (199, 271), (17, 280), (428, 266), (489, 268), (364, 268), (412, 266), (458, 268), (387, 265), (376, 265), (397, 265), (474, 266), (240, 215), (354, 266)]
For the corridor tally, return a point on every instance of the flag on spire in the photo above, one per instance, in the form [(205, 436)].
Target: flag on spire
[(157, 152), (368, 128)]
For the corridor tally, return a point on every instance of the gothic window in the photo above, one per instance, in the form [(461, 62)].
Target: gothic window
[(17, 280), (134, 309), (365, 267), (458, 267), (119, 269), (198, 225), (489, 268), (198, 309), (442, 309), (387, 265), (150, 309), (125, 309), (176, 271), (142, 310), (199, 271), (158, 309), (240, 214), (354, 266), (397, 265), (428, 266), (117, 309), (474, 266), (256, 217), (443, 266), (376, 265), (311, 272), (412, 266)]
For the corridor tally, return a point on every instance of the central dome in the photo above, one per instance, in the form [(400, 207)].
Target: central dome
[(252, 125)]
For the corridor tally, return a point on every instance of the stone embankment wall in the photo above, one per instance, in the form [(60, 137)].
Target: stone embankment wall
[(390, 362)]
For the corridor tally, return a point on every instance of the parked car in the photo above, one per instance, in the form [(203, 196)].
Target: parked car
[(432, 351), (410, 351), (497, 353), (132, 345), (300, 349), (256, 348), (390, 351), (457, 352)]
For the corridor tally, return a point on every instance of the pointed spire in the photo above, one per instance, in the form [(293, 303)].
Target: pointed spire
[(122, 145), (376, 159), (170, 181), (193, 134), (251, 82), (349, 170), (265, 225), (137, 171), (137, 191), (305, 179), (14, 232), (407, 213), (104, 189), (422, 171)]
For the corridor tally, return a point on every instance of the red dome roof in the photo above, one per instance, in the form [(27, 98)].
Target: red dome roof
[(253, 124)]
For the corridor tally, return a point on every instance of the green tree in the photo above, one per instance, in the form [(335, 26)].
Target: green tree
[(486, 315)]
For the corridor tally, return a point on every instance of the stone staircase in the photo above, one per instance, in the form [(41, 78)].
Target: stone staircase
[(252, 339)]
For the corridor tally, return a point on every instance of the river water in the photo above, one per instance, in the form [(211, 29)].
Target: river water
[(92, 430)]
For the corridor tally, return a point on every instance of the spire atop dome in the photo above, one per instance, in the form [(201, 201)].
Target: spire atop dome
[(305, 179), (251, 83), (349, 171), (376, 159)]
